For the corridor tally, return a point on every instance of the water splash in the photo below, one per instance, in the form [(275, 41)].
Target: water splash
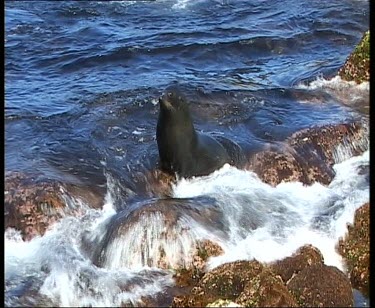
[(348, 147), (270, 223), (349, 93), (154, 242), (54, 270)]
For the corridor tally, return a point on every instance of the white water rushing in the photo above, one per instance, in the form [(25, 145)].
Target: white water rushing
[(291, 214), (262, 222)]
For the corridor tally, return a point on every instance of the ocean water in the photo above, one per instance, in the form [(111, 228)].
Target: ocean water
[(82, 80)]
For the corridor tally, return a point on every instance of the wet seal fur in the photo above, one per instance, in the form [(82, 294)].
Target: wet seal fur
[(183, 150)]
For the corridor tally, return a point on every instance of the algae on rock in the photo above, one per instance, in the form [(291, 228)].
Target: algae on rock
[(357, 65)]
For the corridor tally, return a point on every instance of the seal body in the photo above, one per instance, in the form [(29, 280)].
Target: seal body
[(182, 149)]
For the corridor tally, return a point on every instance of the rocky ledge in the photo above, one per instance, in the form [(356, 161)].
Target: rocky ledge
[(32, 205), (357, 66), (308, 155), (301, 280), (355, 248)]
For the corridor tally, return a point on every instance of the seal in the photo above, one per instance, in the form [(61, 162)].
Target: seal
[(183, 150)]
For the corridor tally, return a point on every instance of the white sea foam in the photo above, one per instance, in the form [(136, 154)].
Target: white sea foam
[(63, 273), (289, 215), (180, 4), (151, 242), (348, 93), (336, 83)]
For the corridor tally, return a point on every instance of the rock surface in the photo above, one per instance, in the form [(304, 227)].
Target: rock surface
[(31, 205), (320, 285), (223, 303), (301, 280), (355, 248), (357, 65), (189, 276), (309, 155), (247, 283), (290, 266)]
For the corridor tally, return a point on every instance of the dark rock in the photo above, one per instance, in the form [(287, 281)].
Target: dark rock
[(357, 66), (355, 248), (320, 285), (290, 266), (308, 156)]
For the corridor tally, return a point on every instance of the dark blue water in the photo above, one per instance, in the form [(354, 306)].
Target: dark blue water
[(82, 78), (74, 69)]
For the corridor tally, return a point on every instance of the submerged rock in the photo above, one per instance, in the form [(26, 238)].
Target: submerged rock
[(320, 285), (308, 156), (31, 205), (357, 66), (355, 248), (159, 233)]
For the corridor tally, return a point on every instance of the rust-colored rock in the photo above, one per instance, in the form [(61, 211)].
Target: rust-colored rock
[(308, 156), (320, 285), (247, 283), (31, 205), (355, 248), (290, 266)]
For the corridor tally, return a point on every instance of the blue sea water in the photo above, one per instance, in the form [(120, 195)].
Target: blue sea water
[(82, 79)]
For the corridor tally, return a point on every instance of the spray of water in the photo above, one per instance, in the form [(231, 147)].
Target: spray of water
[(349, 93), (54, 267), (269, 223)]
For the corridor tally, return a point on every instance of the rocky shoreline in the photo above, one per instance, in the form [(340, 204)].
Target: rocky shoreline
[(300, 280)]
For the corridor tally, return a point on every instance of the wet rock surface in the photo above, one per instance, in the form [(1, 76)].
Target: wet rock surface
[(290, 266), (355, 248), (300, 280), (308, 156), (147, 228), (187, 277), (205, 249), (247, 283), (357, 65), (320, 285), (32, 205)]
